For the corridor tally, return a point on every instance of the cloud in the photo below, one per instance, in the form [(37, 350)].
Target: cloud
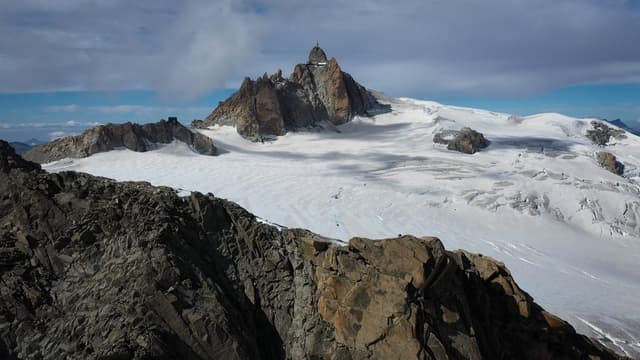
[(58, 134), (407, 47), (116, 109), (62, 108), (74, 123), (196, 59)]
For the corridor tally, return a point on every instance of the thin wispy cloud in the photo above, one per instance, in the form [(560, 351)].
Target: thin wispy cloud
[(62, 108), (125, 109), (59, 134), (69, 123)]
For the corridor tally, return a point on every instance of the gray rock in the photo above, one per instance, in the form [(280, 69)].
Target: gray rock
[(129, 135), (600, 134), (609, 161), (465, 140), (96, 269)]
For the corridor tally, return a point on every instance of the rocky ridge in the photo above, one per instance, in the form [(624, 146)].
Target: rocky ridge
[(316, 92), (95, 269), (128, 135)]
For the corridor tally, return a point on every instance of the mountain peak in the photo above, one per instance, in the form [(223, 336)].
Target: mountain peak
[(317, 92), (317, 56)]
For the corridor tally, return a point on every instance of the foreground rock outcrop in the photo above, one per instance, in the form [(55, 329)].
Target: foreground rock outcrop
[(465, 140), (129, 135), (95, 269), (318, 91)]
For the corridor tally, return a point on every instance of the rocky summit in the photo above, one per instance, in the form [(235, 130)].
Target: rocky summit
[(96, 269), (111, 136), (316, 92)]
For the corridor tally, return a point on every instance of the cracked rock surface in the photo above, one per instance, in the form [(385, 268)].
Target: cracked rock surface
[(96, 269)]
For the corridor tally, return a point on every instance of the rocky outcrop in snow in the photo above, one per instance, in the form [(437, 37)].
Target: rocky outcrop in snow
[(601, 133), (129, 135), (95, 269), (318, 91), (465, 140), (609, 161)]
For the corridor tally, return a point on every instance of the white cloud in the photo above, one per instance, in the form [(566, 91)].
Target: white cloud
[(82, 123), (62, 108), (58, 134), (198, 58), (115, 109)]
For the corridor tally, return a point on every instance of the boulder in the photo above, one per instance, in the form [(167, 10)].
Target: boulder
[(96, 269), (128, 135), (465, 140), (609, 161)]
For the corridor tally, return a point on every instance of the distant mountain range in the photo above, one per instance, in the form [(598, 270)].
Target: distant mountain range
[(24, 146), (621, 124)]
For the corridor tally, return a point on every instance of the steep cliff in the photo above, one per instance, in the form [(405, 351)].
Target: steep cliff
[(317, 91), (95, 269)]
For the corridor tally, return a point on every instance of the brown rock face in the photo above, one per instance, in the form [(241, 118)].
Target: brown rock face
[(254, 110), (95, 269), (609, 161), (131, 136), (318, 91)]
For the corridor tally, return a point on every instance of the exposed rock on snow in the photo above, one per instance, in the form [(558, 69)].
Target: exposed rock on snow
[(609, 161), (318, 91), (466, 140), (601, 133), (95, 269), (131, 136)]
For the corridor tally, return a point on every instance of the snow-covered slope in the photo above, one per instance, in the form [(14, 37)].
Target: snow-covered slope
[(535, 198)]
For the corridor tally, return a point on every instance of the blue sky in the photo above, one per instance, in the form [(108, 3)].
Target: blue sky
[(68, 64), (48, 115), (45, 116)]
